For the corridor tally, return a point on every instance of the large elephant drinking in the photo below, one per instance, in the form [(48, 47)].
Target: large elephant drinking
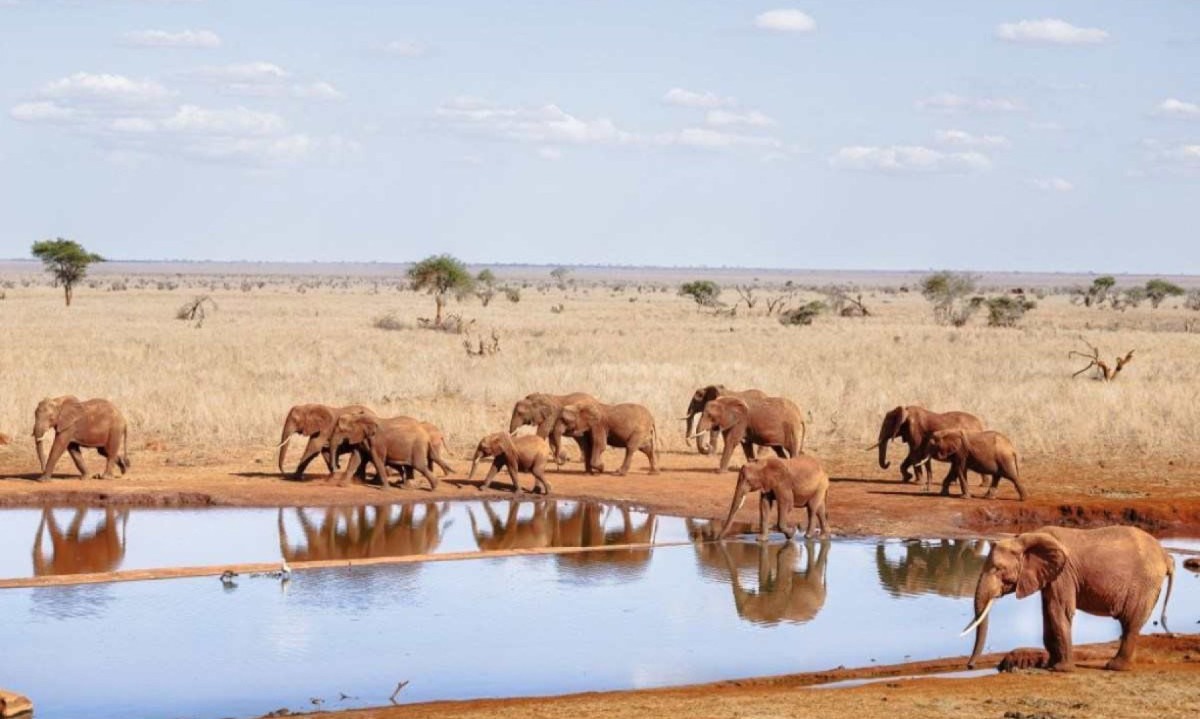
[(91, 423), (703, 396), (1113, 572)]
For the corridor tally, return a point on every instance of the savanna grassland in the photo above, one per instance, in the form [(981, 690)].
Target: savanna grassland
[(201, 389)]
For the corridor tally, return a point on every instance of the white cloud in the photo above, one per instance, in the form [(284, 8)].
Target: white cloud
[(702, 137), (137, 125), (785, 20), (196, 39), (405, 48), (1050, 184), (903, 159), (962, 138), (42, 112), (1172, 107), (1050, 31), (950, 102), (243, 73), (105, 88), (547, 124), (752, 118), (239, 121), (316, 91), (549, 153), (703, 100)]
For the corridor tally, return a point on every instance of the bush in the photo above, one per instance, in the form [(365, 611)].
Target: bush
[(948, 292), (390, 322), (1007, 311), (1158, 290), (802, 315), (704, 293), (1193, 300), (512, 294)]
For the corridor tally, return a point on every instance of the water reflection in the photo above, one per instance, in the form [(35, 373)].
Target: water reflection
[(785, 589), (549, 524), (947, 567), (361, 532), (76, 551)]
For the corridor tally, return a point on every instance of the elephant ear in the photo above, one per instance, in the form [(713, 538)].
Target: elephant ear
[(736, 410), (315, 419), (504, 443), (69, 412), (895, 420), (1042, 559), (589, 416)]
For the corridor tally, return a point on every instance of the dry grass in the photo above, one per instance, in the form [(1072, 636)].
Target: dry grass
[(230, 382)]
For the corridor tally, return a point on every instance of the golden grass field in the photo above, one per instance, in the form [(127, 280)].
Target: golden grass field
[(228, 383)]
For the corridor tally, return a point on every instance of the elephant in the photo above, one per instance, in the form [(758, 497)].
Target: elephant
[(1113, 572), (361, 532), (946, 567), (90, 423), (772, 422), (793, 482), (703, 396), (76, 553), (542, 411), (784, 592), (989, 453), (398, 442), (913, 425), (315, 421), (611, 425), (527, 453)]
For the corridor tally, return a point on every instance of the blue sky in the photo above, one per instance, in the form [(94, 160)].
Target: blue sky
[(838, 134)]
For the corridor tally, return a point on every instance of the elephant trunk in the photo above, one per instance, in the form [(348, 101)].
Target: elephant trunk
[(884, 438), (289, 428), (739, 498), (985, 596), (474, 461), (515, 422), (335, 441), (40, 441)]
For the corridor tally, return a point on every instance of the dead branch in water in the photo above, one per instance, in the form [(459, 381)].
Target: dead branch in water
[(1105, 372)]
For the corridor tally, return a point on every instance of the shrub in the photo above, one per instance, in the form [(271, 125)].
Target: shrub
[(1158, 290), (390, 322), (1193, 300), (948, 292), (704, 293), (1007, 311), (802, 315)]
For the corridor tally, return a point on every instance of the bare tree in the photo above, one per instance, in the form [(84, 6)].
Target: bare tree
[(1104, 371)]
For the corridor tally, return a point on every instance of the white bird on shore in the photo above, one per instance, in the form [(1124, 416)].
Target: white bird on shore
[(285, 572)]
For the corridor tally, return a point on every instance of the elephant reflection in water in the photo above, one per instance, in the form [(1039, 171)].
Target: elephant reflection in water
[(785, 593), (552, 526), (74, 552), (362, 532), (948, 567)]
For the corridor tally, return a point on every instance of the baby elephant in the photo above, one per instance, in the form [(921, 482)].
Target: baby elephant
[(527, 453), (795, 482), (988, 453)]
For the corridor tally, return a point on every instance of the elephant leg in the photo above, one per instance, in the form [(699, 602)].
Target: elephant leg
[(539, 475), (1123, 661), (433, 482), (110, 453), (764, 513), (906, 474), (1056, 633), (492, 472), (780, 451), (1021, 495), (748, 450), (808, 528), (991, 492), (77, 457), (651, 454), (56, 450), (962, 482), (949, 479), (630, 448), (310, 453), (351, 470), (785, 501)]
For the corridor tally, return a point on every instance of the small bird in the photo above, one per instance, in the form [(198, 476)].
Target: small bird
[(285, 572), (227, 578)]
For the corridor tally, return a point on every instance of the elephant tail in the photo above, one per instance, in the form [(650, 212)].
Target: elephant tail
[(1162, 619), (125, 449)]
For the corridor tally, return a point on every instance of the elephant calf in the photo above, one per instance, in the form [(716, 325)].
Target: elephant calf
[(527, 453), (611, 425), (91, 423), (793, 482), (989, 453), (1113, 572)]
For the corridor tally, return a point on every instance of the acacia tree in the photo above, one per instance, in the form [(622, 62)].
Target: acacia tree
[(705, 293), (1158, 290), (441, 275), (948, 292), (66, 261)]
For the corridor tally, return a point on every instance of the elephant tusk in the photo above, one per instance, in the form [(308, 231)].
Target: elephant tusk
[(40, 440), (874, 446), (740, 504), (978, 620), (698, 434), (289, 439)]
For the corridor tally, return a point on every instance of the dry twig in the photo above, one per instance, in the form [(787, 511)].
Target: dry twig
[(1105, 372)]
